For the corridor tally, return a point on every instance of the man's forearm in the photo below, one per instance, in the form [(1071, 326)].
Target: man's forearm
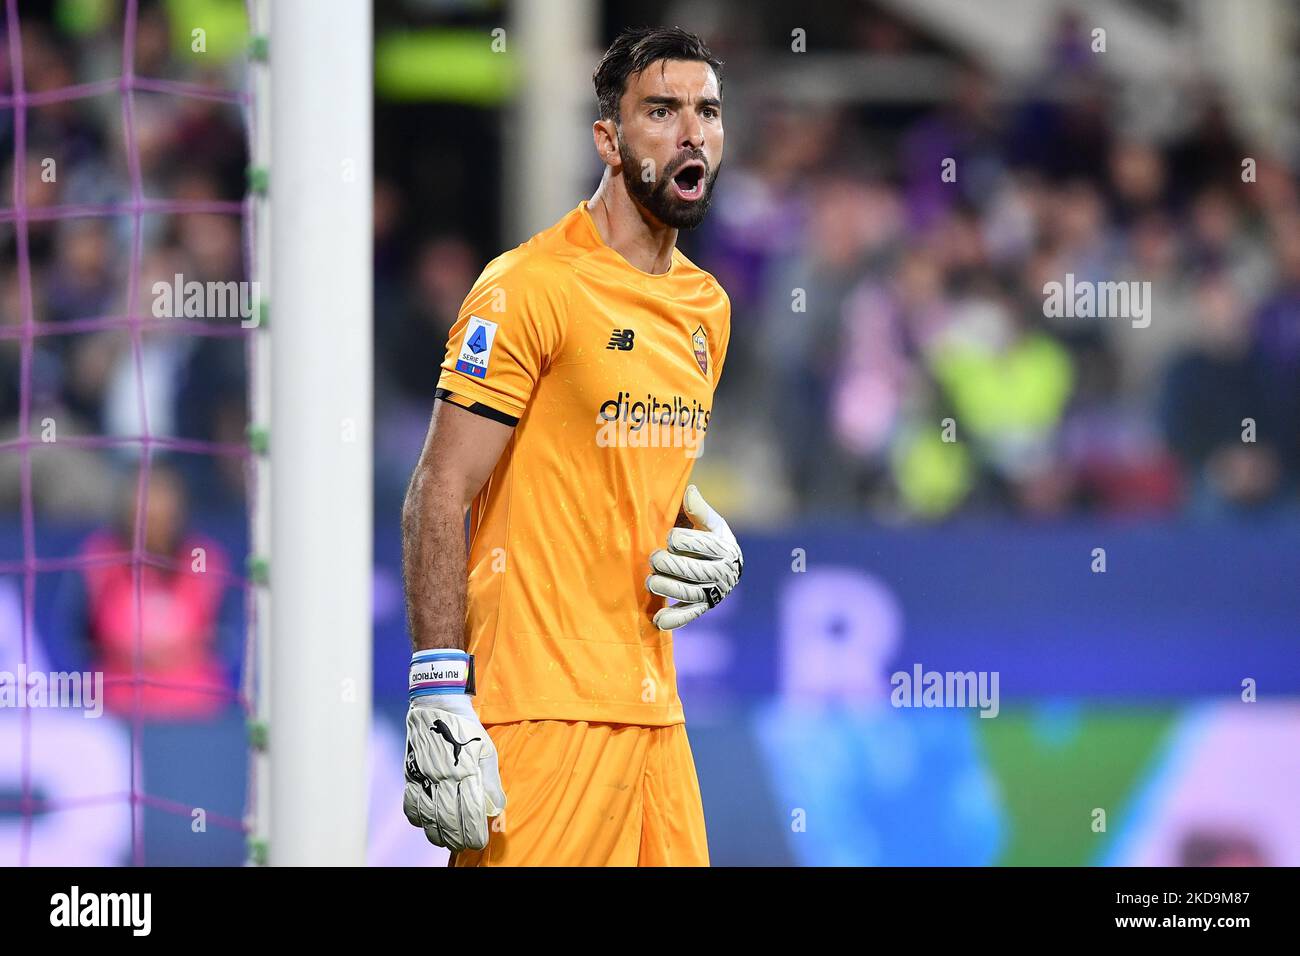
[(433, 564)]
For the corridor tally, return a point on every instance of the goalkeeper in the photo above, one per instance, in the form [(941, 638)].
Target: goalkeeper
[(545, 726)]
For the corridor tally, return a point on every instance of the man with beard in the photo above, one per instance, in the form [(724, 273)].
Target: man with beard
[(574, 394)]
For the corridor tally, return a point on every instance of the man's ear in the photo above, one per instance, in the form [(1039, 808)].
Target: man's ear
[(605, 134)]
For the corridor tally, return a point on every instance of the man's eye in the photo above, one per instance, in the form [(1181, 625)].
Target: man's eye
[(710, 112), (659, 111)]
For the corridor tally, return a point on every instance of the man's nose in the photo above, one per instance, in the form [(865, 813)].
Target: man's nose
[(692, 133)]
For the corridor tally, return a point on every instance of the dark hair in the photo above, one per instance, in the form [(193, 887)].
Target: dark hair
[(635, 49)]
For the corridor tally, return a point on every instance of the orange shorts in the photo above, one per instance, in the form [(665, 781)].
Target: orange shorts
[(591, 794)]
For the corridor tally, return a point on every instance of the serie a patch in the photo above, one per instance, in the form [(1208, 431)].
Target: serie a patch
[(476, 347)]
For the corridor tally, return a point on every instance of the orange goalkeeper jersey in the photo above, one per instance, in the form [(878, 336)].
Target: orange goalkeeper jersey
[(608, 374)]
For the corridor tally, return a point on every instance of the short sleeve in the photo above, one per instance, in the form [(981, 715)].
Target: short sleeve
[(721, 358), (508, 330)]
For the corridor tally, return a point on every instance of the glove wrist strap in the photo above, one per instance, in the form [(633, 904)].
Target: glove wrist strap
[(441, 671)]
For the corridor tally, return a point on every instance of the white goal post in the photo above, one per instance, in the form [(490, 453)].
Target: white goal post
[(319, 291)]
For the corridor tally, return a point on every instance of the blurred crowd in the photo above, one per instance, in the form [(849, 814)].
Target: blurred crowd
[(891, 351), (890, 356), (926, 376), (89, 380), (178, 627)]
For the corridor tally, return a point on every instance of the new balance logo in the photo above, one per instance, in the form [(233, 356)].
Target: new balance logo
[(622, 339)]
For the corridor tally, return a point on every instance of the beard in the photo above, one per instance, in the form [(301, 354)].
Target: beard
[(657, 198)]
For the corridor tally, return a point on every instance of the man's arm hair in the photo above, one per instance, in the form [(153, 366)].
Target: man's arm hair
[(460, 451)]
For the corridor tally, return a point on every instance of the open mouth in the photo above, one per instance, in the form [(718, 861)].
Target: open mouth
[(688, 182)]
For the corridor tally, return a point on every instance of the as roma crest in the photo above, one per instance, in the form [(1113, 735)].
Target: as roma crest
[(700, 341)]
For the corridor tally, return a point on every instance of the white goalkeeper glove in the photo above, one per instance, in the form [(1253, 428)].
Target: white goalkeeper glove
[(453, 784), (699, 567)]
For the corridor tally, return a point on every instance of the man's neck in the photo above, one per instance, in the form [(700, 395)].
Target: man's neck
[(644, 242)]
